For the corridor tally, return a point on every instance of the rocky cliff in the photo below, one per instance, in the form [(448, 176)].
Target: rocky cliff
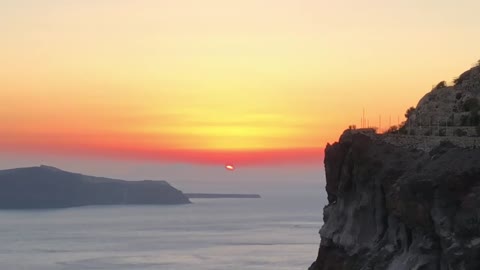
[(396, 208), (49, 187), (449, 110)]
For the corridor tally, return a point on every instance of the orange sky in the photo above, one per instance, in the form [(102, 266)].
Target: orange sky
[(218, 81)]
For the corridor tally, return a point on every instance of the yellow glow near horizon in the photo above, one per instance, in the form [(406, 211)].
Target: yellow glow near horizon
[(220, 75)]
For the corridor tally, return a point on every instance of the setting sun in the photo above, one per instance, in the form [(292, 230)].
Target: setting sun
[(167, 80), (230, 167), (217, 134)]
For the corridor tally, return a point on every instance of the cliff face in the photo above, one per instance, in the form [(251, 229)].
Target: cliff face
[(48, 187), (399, 209)]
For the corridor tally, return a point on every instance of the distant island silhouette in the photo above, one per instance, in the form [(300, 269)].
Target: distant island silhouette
[(221, 196), (49, 187)]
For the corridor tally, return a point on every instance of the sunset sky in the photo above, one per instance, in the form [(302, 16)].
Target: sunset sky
[(216, 81)]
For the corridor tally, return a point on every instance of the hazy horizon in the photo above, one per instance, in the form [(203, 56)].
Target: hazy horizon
[(218, 96), (189, 177)]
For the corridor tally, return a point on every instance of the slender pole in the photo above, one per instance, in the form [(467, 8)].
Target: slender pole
[(364, 117), (379, 123), (398, 124)]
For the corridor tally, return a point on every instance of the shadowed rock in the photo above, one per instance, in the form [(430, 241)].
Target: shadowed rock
[(400, 209)]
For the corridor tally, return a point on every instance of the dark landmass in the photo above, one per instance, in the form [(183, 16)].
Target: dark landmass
[(221, 196), (396, 208), (49, 187), (395, 204)]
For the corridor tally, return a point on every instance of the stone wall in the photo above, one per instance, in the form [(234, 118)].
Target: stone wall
[(427, 143), (454, 131), (424, 143)]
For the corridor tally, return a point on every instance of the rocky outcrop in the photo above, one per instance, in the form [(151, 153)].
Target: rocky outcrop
[(449, 110), (396, 208), (49, 187)]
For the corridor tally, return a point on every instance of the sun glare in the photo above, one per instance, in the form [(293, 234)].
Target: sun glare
[(230, 167)]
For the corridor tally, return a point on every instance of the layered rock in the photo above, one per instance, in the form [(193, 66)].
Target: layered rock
[(398, 208)]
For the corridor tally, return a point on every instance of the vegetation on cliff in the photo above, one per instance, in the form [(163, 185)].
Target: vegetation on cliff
[(403, 206)]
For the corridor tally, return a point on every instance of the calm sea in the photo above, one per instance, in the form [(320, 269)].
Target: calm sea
[(275, 232)]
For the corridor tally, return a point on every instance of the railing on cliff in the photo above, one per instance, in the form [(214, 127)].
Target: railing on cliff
[(427, 143), (420, 142)]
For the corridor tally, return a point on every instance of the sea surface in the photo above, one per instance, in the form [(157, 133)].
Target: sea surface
[(273, 233)]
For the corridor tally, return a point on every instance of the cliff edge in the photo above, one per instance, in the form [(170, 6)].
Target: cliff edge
[(396, 208), (408, 199)]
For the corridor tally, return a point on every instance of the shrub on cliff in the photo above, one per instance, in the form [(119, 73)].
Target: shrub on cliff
[(441, 85), (402, 129), (392, 129), (457, 81), (467, 75), (409, 112)]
